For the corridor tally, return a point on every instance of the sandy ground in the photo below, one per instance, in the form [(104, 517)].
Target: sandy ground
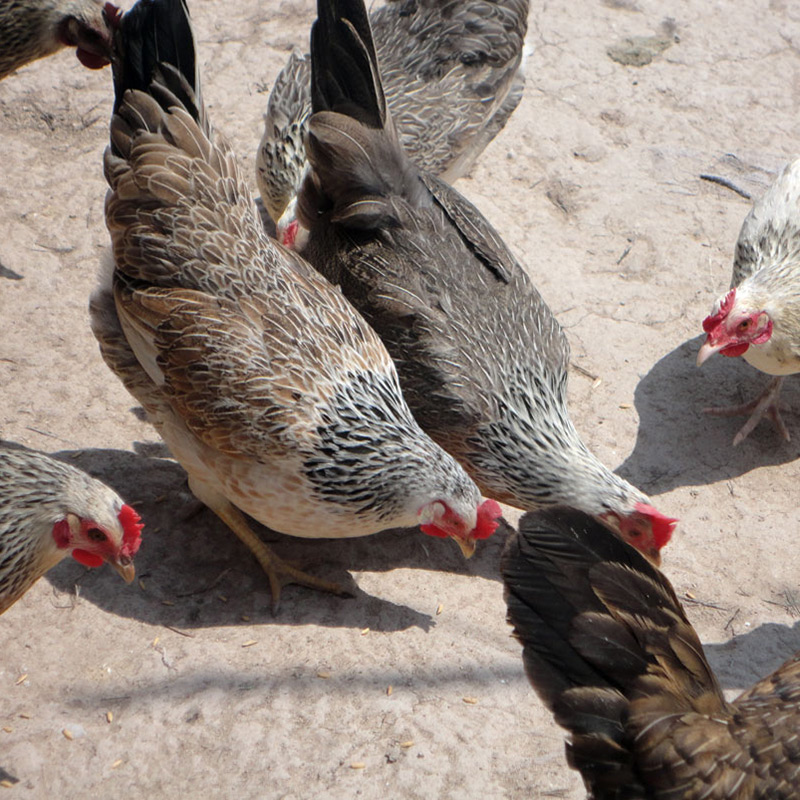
[(182, 684)]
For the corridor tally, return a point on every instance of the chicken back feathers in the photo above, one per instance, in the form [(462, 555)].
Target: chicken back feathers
[(608, 648)]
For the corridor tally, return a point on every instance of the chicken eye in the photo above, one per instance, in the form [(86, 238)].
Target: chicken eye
[(744, 325), (96, 535)]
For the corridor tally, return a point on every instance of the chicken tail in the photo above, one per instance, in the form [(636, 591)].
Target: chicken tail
[(357, 162), (606, 644), (155, 53)]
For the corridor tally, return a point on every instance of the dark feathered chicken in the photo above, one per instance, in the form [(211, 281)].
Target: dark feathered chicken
[(609, 650), (481, 358)]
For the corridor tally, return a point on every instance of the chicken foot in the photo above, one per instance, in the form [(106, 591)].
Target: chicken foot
[(279, 572), (766, 404)]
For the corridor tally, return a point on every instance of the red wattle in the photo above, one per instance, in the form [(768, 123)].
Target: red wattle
[(86, 558), (733, 350), (91, 60)]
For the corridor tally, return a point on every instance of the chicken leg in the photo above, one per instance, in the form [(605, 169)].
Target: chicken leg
[(766, 404), (278, 571)]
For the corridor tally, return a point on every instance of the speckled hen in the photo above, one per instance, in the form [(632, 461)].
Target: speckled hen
[(481, 358), (452, 72), (33, 29), (608, 649), (272, 392), (759, 317), (50, 510)]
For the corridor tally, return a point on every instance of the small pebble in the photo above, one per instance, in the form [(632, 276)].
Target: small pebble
[(358, 765)]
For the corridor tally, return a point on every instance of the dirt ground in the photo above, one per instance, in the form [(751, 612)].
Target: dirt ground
[(182, 684)]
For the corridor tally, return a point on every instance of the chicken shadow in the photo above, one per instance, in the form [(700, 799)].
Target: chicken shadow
[(678, 445), (192, 572), (748, 657)]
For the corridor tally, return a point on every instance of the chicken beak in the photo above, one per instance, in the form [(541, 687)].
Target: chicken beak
[(706, 351), (467, 546), (127, 571), (653, 556)]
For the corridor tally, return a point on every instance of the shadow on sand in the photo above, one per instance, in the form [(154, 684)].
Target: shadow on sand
[(678, 445), (187, 562)]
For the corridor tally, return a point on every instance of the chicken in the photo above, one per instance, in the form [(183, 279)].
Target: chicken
[(608, 649), (274, 395), (759, 317), (452, 73), (481, 358), (50, 510), (33, 29)]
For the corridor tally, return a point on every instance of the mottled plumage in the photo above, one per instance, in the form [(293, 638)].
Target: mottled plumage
[(275, 396), (33, 29), (50, 510), (759, 317), (609, 650), (452, 73), (481, 358)]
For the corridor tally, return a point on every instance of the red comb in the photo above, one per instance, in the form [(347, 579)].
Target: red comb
[(113, 15), (662, 525), (711, 321), (488, 519), (290, 234), (131, 530)]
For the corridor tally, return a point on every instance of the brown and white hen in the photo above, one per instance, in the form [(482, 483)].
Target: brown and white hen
[(50, 510), (759, 317), (272, 392)]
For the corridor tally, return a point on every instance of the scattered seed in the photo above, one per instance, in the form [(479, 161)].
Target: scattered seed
[(141, 584), (8, 729), (155, 641), (161, 498), (118, 763), (358, 765), (406, 745), (597, 382), (690, 595), (470, 700), (389, 689), (325, 675), (245, 618), (6, 784), (439, 609), (21, 679), (222, 598), (250, 643), (625, 405), (24, 716), (364, 631), (155, 530), (67, 734), (109, 717), (167, 603)]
